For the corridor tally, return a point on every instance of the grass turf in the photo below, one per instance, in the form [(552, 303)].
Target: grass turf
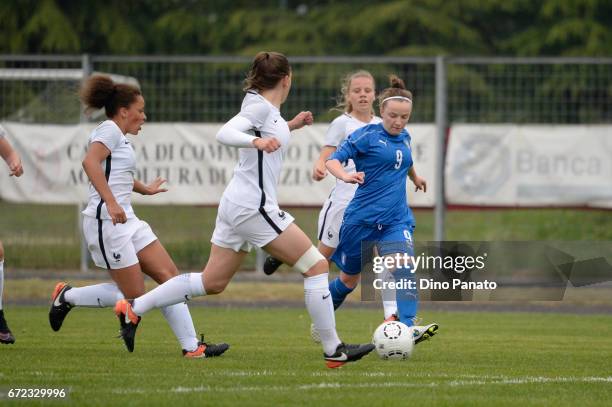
[(476, 359)]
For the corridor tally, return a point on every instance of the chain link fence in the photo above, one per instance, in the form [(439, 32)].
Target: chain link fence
[(42, 89)]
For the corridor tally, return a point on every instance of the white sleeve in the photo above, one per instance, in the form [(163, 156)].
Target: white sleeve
[(233, 133), (336, 132), (2, 132), (108, 135), (256, 113)]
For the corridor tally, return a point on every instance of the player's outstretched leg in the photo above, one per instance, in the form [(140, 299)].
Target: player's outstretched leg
[(271, 265), (294, 248), (206, 350), (59, 306), (129, 322), (407, 304)]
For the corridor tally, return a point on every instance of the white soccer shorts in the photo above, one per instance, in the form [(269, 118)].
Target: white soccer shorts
[(330, 221), (239, 228), (116, 246)]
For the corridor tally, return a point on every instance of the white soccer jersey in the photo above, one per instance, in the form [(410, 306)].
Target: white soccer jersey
[(257, 173), (119, 169), (339, 129), (2, 132)]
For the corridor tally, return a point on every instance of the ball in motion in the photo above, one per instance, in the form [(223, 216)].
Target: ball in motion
[(393, 340)]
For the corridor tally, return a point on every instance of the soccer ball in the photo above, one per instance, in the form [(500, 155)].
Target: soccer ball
[(393, 340)]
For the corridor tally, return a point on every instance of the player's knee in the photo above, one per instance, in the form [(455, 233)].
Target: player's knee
[(169, 272), (215, 287), (311, 262)]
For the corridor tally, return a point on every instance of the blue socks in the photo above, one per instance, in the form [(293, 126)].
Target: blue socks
[(338, 292), (407, 299)]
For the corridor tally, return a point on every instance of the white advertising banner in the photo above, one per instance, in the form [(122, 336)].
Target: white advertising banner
[(530, 165), (196, 166)]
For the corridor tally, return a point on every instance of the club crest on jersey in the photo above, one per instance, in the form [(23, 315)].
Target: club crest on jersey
[(408, 236)]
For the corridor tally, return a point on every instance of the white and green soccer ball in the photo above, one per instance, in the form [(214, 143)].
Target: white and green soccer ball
[(393, 340)]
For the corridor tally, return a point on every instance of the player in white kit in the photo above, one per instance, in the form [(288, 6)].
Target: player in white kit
[(118, 241), (249, 215), (12, 159)]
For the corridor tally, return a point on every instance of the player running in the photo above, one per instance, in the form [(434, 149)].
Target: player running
[(118, 241), (12, 159), (357, 99), (379, 211), (249, 215)]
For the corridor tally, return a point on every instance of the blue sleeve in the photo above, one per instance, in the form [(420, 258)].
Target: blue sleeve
[(344, 152), (356, 143)]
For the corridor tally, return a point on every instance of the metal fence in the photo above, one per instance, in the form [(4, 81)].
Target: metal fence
[(42, 89)]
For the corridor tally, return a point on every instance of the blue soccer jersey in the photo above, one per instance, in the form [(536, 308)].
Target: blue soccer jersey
[(385, 159)]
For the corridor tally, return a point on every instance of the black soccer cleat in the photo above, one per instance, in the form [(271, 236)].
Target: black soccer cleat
[(206, 350), (347, 353), (129, 323), (6, 336), (271, 265), (59, 307)]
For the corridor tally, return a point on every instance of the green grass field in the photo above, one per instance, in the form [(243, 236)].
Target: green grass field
[(476, 359), (46, 236)]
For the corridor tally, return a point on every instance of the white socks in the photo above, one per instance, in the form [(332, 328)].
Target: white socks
[(178, 289), (1, 281), (389, 308), (107, 294), (321, 309), (180, 321), (99, 295)]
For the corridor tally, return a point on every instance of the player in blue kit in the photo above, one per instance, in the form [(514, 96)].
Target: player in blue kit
[(379, 212)]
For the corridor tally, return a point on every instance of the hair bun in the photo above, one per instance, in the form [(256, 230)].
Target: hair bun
[(396, 82)]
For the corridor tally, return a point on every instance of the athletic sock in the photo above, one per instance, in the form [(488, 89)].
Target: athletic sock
[(180, 321), (407, 299), (99, 295), (388, 295), (338, 291), (176, 290), (389, 308), (321, 310)]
